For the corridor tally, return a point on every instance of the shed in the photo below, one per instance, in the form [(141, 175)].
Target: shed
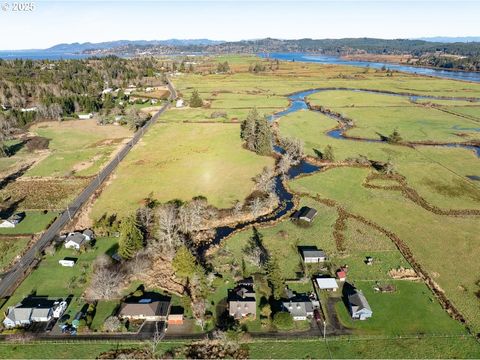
[(67, 262), (175, 319), (85, 116), (329, 284), (312, 255), (306, 214)]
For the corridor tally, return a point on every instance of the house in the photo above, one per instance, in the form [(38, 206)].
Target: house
[(312, 255), (359, 307), (329, 284), (179, 103), (85, 116), (300, 307), (12, 221), (33, 309), (242, 300), (75, 240), (306, 214), (145, 308)]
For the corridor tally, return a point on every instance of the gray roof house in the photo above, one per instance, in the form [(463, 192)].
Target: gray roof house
[(242, 301), (305, 214), (312, 255), (300, 308), (359, 307), (31, 309), (75, 240), (152, 310)]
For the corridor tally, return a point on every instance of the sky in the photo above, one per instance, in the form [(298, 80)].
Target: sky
[(54, 22)]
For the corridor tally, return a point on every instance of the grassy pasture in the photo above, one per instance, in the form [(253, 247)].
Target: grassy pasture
[(380, 114), (435, 241), (180, 161), (9, 248), (80, 147)]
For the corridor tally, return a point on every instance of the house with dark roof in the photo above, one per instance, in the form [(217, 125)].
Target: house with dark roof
[(146, 307), (359, 306), (242, 300), (306, 214)]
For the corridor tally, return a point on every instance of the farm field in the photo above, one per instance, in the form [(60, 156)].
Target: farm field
[(380, 114), (77, 147), (181, 161)]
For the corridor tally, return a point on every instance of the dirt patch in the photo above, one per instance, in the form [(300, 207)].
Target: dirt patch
[(403, 274), (86, 164), (107, 142)]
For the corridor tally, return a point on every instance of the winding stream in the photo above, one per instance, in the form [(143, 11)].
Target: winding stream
[(298, 102)]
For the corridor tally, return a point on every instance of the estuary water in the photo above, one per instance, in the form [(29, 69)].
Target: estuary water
[(324, 59)]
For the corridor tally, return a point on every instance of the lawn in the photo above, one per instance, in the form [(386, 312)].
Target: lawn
[(397, 313), (181, 161), (53, 280), (103, 310), (34, 222)]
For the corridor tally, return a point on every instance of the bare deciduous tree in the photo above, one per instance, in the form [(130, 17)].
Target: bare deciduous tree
[(105, 283), (264, 180), (256, 206)]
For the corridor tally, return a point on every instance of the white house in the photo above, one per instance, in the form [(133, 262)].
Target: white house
[(329, 284), (85, 116), (359, 307), (179, 103), (75, 240), (12, 221)]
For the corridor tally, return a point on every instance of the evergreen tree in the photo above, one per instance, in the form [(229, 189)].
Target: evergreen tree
[(247, 129), (131, 238), (263, 137), (328, 153), (274, 277), (184, 263), (195, 100), (394, 137)]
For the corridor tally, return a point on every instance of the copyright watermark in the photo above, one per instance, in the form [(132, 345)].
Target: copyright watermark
[(15, 6)]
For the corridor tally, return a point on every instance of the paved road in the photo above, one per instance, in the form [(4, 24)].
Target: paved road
[(12, 278)]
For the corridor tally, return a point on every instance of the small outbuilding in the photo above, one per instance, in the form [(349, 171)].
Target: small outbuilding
[(67, 262), (179, 103), (306, 214), (312, 255), (328, 284), (85, 116)]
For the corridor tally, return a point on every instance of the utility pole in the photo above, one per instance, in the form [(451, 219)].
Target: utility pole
[(68, 211)]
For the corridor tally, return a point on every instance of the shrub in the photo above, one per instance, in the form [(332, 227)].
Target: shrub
[(283, 321)]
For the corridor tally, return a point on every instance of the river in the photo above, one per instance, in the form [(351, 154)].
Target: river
[(324, 59)]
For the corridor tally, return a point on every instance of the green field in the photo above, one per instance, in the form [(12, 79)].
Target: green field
[(78, 147), (181, 161), (10, 248), (376, 114)]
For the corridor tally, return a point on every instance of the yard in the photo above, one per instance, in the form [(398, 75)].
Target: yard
[(34, 222)]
